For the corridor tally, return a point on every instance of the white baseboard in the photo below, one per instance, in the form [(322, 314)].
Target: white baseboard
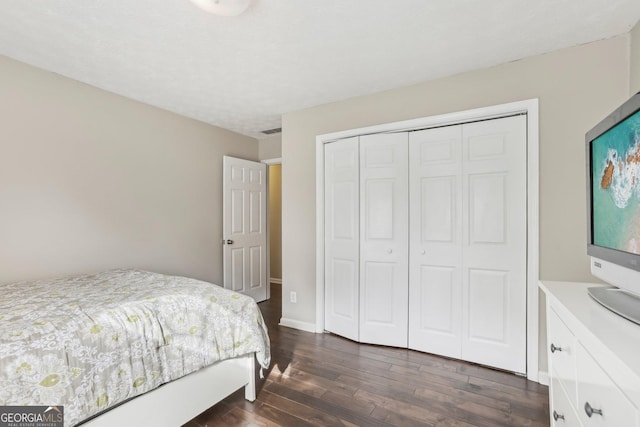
[(543, 378), (274, 280), (297, 324)]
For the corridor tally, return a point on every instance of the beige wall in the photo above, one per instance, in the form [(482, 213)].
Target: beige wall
[(275, 221), (270, 147), (90, 180), (635, 60), (576, 88)]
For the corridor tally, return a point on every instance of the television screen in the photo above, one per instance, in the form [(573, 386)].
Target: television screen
[(615, 187)]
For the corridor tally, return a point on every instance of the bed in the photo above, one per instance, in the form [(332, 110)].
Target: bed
[(127, 347)]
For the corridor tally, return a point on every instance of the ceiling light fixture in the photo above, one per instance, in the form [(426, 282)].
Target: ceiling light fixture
[(223, 7)]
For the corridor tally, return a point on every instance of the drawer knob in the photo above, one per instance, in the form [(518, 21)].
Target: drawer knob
[(557, 416), (554, 348), (590, 411)]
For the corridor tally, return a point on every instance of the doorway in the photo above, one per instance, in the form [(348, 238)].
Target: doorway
[(274, 195)]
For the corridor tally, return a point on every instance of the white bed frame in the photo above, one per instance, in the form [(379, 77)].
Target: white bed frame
[(177, 402)]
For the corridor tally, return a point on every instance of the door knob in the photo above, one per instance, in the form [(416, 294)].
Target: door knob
[(389, 250), (227, 242), (423, 252)]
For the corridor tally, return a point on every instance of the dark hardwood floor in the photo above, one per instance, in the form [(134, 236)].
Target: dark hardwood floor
[(326, 380)]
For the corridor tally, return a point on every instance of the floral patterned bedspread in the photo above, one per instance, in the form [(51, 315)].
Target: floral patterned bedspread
[(90, 342)]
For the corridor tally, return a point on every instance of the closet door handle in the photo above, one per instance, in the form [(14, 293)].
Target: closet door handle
[(227, 242), (423, 252), (389, 250), (557, 416)]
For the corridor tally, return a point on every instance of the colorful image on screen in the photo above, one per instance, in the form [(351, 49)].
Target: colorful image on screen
[(615, 158)]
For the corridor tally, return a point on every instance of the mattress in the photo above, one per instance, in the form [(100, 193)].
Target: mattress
[(90, 342)]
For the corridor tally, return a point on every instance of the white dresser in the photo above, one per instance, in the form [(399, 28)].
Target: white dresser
[(594, 360)]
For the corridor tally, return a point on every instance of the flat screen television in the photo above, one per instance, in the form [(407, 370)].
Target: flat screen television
[(613, 195)]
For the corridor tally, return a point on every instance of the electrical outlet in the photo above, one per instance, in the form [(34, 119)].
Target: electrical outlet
[(293, 297)]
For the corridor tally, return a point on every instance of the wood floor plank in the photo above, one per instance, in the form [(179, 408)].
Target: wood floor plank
[(307, 413), (374, 383), (313, 353), (430, 370), (422, 414), (315, 385), (460, 396), (523, 395), (502, 377), (441, 406), (418, 379), (238, 416), (339, 410), (320, 370), (327, 380), (352, 404), (397, 419), (450, 422), (276, 415)]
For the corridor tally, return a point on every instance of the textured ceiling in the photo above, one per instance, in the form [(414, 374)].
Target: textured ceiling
[(242, 73)]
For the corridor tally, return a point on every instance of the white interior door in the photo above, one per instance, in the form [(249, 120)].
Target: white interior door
[(435, 260), (384, 228), (494, 216), (244, 228), (342, 237)]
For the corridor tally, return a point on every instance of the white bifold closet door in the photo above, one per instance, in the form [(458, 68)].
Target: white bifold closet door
[(494, 245), (425, 240), (366, 238), (384, 235), (342, 237), (435, 275), (468, 242)]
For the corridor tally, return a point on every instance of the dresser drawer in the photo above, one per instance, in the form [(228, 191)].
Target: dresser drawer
[(561, 352), (600, 401), (561, 409)]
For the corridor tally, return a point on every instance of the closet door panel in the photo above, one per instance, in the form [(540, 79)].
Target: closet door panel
[(342, 237), (379, 293), (494, 243), (435, 240), (384, 239)]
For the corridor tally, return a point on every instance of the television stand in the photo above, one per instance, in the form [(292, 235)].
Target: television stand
[(621, 302)]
